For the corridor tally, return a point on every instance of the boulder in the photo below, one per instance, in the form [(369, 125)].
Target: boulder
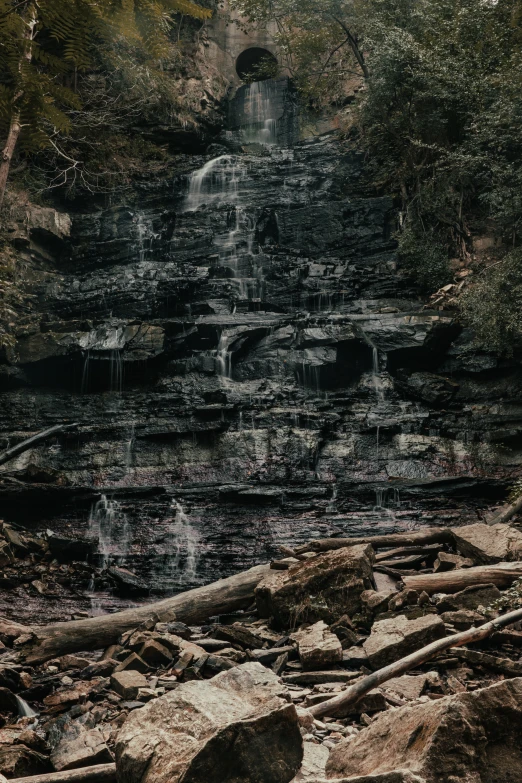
[(395, 637), (314, 762), (80, 747), (487, 544), (375, 602), (233, 728), (465, 738), (408, 686), (321, 588), (127, 683), (469, 598), (318, 646), (17, 761)]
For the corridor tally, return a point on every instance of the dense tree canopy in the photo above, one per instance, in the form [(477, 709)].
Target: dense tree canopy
[(439, 117), (44, 44)]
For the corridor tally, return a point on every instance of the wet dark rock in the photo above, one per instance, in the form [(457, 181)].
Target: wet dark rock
[(127, 582), (68, 549)]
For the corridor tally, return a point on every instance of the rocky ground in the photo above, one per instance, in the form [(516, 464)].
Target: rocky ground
[(244, 697)]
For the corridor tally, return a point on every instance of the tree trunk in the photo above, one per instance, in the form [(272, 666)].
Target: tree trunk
[(25, 445), (102, 773), (430, 535), (7, 154), (364, 686), (501, 575), (195, 606), (29, 18)]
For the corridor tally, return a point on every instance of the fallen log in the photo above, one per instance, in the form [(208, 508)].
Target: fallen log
[(501, 575), (430, 535), (427, 551), (504, 514), (194, 606), (34, 440), (355, 692), (102, 773)]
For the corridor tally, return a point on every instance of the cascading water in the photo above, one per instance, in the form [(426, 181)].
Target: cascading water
[(182, 547), (261, 112), (110, 527)]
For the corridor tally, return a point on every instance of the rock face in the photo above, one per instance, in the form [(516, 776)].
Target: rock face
[(233, 728), (318, 647), (467, 738), (487, 544), (396, 637), (322, 588), (234, 334)]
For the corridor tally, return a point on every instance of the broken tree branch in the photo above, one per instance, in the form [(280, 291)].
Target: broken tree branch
[(194, 606), (501, 575), (102, 773), (430, 535), (364, 686), (34, 440), (504, 514)]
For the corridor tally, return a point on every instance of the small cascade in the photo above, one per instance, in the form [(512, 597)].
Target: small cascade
[(110, 527), (182, 550), (146, 237), (116, 371), (224, 357), (218, 180), (24, 710), (260, 112), (376, 370), (129, 448), (332, 503)]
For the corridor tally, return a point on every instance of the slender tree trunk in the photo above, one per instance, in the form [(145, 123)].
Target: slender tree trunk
[(7, 154), (29, 17)]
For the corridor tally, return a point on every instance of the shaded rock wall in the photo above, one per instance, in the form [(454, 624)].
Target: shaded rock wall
[(255, 356)]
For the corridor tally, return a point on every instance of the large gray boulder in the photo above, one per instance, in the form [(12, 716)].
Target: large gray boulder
[(395, 637), (322, 588), (466, 738), (486, 544), (235, 728)]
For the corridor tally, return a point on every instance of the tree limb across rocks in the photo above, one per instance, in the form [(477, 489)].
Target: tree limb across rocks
[(34, 440), (429, 535), (355, 692), (102, 773), (501, 575), (194, 606)]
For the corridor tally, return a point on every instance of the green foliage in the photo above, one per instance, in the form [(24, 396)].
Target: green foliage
[(44, 45), (425, 257), (493, 305)]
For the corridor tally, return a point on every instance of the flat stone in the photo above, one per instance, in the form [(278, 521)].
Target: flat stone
[(235, 727), (463, 619), (321, 588), (397, 776), (448, 562), (469, 598), (80, 747), (19, 761), (374, 701), (128, 683), (408, 686), (318, 646), (374, 601), (319, 678), (488, 543), (395, 637), (461, 738), (355, 657)]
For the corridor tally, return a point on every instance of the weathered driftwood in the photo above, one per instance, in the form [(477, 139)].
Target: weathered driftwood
[(102, 773), (427, 551), (355, 692), (429, 535), (505, 513), (501, 575), (34, 440), (194, 606)]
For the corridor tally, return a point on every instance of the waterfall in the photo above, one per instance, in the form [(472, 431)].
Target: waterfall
[(183, 545), (218, 180), (260, 110), (24, 710), (110, 527), (224, 356)]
